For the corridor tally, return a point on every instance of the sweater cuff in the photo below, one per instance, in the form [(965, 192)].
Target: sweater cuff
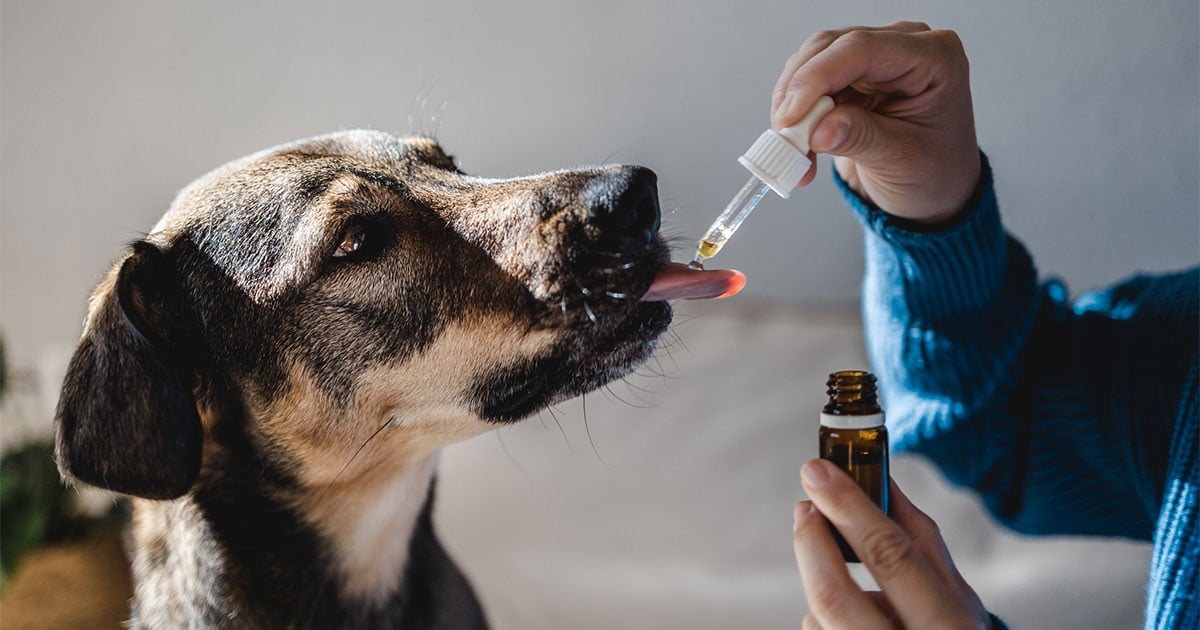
[(968, 256)]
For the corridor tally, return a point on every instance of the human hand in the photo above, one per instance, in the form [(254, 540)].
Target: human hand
[(903, 132), (921, 588)]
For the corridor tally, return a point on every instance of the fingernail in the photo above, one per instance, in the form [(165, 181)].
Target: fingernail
[(802, 510), (814, 474), (826, 138)]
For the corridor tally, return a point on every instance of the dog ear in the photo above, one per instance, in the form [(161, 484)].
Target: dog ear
[(127, 418)]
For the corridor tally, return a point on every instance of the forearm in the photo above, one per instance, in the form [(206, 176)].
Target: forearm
[(946, 314), (991, 376)]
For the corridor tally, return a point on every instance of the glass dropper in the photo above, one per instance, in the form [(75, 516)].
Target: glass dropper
[(778, 160), (729, 220)]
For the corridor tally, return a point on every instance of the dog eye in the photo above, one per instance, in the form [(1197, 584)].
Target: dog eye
[(363, 238), (354, 239)]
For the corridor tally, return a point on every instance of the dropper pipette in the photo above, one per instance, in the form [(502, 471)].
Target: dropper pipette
[(778, 160), (729, 220)]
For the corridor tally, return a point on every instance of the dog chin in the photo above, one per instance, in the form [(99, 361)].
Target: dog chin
[(584, 362)]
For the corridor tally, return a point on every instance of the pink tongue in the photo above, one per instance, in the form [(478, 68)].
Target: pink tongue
[(676, 281)]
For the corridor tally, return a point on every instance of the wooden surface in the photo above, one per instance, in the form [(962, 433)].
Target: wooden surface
[(82, 584)]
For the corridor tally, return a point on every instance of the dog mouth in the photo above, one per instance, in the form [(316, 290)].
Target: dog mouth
[(601, 290), (605, 346)]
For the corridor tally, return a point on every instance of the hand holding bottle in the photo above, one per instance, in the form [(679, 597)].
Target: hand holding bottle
[(921, 588), (903, 131)]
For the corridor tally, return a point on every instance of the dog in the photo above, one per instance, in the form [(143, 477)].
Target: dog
[(270, 374)]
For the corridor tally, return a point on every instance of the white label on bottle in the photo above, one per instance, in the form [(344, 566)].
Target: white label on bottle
[(851, 422)]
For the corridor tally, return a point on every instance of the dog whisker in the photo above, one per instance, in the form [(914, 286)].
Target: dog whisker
[(586, 291), (671, 357), (588, 429), (664, 377), (437, 118), (511, 458), (614, 394), (616, 295), (679, 339), (663, 373), (561, 429), (591, 315), (632, 386), (391, 421), (680, 320), (645, 371), (622, 267), (649, 402)]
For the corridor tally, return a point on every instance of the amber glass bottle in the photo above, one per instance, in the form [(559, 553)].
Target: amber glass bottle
[(853, 437)]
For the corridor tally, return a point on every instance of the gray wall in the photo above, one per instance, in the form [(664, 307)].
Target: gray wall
[(1088, 110)]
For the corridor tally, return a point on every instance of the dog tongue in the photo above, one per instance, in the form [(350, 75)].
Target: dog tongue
[(678, 281)]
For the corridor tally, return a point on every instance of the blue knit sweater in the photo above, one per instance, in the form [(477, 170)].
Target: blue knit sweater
[(1066, 419)]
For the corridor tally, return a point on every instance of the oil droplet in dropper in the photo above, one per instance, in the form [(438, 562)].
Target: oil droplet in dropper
[(708, 248)]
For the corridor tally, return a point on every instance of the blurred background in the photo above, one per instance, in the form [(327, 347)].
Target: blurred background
[(672, 516)]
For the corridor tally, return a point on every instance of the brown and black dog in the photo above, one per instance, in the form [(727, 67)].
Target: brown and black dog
[(271, 373)]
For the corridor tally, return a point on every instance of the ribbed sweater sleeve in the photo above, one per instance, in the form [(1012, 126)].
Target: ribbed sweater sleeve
[(1066, 418)]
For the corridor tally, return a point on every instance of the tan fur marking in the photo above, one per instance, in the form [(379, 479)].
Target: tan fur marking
[(365, 502)]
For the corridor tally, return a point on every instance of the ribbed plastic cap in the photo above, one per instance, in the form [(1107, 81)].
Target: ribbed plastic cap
[(780, 159)]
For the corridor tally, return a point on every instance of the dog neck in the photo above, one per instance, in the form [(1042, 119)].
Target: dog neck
[(246, 546), (368, 521)]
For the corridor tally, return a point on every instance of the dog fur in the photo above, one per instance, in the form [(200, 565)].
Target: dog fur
[(269, 375)]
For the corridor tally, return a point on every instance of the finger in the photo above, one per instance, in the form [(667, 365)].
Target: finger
[(854, 131), (915, 589), (812, 171), (907, 26), (857, 133), (811, 46), (818, 42), (810, 622), (924, 532), (834, 598), (886, 60), (923, 529), (880, 600)]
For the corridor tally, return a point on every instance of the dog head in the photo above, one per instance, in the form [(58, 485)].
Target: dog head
[(310, 296)]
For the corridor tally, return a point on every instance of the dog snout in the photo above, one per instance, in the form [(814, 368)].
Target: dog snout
[(624, 204)]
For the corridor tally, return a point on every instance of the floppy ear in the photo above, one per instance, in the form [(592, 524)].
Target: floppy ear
[(127, 418)]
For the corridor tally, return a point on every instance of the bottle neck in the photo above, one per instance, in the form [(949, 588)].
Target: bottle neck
[(852, 394)]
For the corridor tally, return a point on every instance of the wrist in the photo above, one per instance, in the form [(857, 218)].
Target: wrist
[(970, 197), (960, 198), (926, 203)]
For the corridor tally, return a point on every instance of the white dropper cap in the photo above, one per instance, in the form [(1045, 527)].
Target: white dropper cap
[(780, 158)]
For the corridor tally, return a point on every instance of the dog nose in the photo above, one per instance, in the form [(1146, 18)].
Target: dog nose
[(625, 204)]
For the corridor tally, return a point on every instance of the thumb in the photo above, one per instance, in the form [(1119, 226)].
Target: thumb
[(851, 132)]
